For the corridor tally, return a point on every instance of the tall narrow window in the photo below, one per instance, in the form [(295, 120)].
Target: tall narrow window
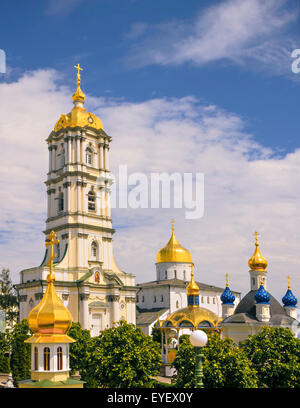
[(46, 359), (184, 275), (154, 299), (91, 201), (36, 359), (94, 247), (57, 251), (62, 159), (89, 157), (59, 358), (61, 201), (177, 304), (175, 274), (166, 274)]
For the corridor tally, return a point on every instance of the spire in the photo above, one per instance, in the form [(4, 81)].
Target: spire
[(257, 262), (50, 318), (289, 299), (192, 290), (227, 296), (78, 96)]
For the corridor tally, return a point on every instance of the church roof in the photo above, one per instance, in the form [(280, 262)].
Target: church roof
[(148, 316), (180, 283), (247, 305)]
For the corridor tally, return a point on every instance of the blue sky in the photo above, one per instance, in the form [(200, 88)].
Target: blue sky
[(151, 55)]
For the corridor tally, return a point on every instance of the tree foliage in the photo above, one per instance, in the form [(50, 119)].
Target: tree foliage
[(4, 352), (124, 357), (275, 354), (8, 298), (80, 352), (224, 365), (20, 352)]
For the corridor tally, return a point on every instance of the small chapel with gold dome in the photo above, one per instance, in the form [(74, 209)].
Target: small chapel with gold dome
[(88, 280)]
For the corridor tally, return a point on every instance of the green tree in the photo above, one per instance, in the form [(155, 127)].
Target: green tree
[(8, 298), (20, 352), (80, 352), (224, 365), (124, 357), (275, 354), (4, 352)]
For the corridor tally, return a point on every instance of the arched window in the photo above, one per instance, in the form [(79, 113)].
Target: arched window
[(166, 274), (57, 251), (208, 299), (89, 156), (175, 274), (36, 359), (46, 359), (177, 304), (59, 358), (202, 299), (61, 201), (184, 275), (94, 248), (91, 201), (162, 298)]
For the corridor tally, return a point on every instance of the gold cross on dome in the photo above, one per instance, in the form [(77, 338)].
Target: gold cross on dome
[(227, 284), (52, 240), (289, 282), (78, 67), (172, 224)]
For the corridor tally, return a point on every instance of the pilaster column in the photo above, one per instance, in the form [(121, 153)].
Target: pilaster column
[(53, 157), (69, 150), (50, 158), (101, 159), (77, 149), (84, 309)]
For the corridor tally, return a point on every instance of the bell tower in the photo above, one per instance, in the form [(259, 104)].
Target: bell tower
[(97, 292)]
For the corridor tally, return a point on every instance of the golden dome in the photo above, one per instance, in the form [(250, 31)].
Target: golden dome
[(192, 288), (50, 320), (192, 315), (78, 116), (173, 251), (257, 262)]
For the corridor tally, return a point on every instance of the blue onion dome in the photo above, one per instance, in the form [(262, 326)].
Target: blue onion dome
[(262, 296), (227, 296), (289, 299)]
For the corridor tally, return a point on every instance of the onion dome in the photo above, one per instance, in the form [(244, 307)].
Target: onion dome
[(227, 296), (173, 251), (262, 296), (192, 290), (289, 299), (78, 117), (257, 262), (50, 320)]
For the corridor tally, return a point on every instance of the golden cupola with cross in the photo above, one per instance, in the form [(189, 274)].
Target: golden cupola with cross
[(50, 321), (258, 265), (78, 117), (173, 261)]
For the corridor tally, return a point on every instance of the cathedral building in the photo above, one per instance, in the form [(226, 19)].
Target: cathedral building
[(159, 298), (258, 307), (88, 280)]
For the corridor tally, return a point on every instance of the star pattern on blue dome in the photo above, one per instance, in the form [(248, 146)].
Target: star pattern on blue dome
[(227, 297), (262, 296), (289, 299)]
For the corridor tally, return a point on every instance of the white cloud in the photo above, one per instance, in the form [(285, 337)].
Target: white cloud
[(247, 187), (239, 31), (61, 8)]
